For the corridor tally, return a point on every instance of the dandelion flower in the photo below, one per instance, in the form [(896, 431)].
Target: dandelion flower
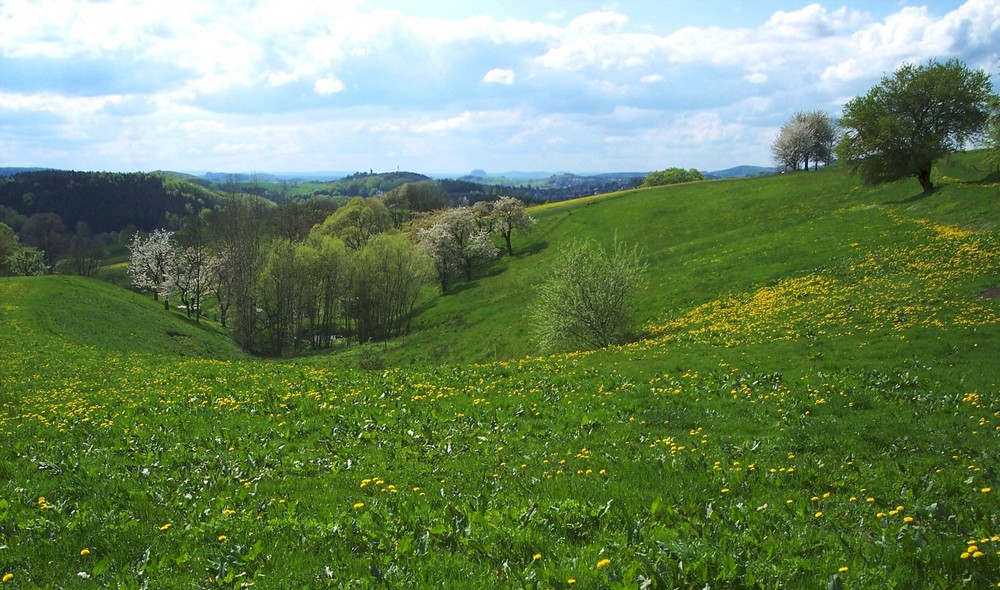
[(222, 538), (8, 577), (359, 505), (571, 581), (819, 514), (907, 519), (842, 569), (986, 490), (536, 557), (603, 563), (165, 527), (85, 551)]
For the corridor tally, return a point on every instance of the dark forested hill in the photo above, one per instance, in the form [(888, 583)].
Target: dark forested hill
[(105, 201)]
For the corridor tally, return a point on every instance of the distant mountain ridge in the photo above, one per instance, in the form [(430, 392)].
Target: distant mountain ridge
[(741, 172)]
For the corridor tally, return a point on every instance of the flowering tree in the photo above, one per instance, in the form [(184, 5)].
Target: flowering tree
[(455, 243), (511, 215), (151, 262)]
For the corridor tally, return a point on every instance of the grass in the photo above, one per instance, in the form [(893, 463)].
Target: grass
[(816, 404)]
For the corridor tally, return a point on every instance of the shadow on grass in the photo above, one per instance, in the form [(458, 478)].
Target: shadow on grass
[(913, 199)]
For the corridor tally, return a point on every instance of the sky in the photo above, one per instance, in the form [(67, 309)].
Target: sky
[(448, 86)]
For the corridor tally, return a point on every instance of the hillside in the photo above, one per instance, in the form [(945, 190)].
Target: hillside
[(704, 242), (70, 312), (816, 404)]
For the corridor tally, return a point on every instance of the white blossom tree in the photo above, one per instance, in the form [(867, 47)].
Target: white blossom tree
[(455, 243), (151, 263), (511, 215)]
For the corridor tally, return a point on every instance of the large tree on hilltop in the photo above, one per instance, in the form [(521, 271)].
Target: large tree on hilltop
[(911, 119)]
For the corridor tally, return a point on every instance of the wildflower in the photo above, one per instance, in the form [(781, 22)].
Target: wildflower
[(842, 569), (603, 563), (966, 555), (85, 551), (359, 505), (571, 581), (986, 490), (978, 554), (818, 515), (536, 557), (165, 527), (228, 512), (907, 519), (222, 538), (8, 577), (725, 490)]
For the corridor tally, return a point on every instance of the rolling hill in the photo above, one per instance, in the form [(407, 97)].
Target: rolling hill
[(815, 403)]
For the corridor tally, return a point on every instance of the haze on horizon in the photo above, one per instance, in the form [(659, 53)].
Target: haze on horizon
[(447, 86)]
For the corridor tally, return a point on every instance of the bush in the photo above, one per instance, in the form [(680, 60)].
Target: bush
[(588, 300)]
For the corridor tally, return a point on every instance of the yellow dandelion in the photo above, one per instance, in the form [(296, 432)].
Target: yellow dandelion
[(8, 577), (85, 551), (819, 514), (907, 519), (978, 554), (571, 581), (536, 557), (842, 569), (603, 563), (222, 538), (166, 526), (966, 555), (359, 505), (986, 490)]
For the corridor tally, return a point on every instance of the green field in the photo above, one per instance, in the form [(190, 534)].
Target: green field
[(815, 404)]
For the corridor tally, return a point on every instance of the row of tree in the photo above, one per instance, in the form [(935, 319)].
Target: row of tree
[(900, 127), (355, 273)]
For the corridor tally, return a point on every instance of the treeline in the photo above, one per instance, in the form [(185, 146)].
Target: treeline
[(105, 201), (290, 277)]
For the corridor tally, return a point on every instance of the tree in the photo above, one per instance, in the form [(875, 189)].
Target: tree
[(588, 299), (151, 262), (511, 215), (85, 254), (358, 221), (27, 261), (671, 176), (455, 243), (991, 138), (911, 119), (386, 277), (46, 232), (8, 245), (807, 136)]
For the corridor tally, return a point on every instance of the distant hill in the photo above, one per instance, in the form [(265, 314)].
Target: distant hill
[(741, 172), (105, 201), (14, 170)]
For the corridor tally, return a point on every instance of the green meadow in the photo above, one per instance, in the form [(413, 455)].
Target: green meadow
[(814, 403)]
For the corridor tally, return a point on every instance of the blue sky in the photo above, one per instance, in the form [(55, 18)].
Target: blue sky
[(446, 86)]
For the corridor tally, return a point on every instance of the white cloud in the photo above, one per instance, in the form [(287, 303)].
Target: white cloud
[(499, 76), (651, 78), (756, 77), (328, 86)]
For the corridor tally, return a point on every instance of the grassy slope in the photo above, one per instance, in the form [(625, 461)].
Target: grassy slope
[(820, 400), (702, 241), (88, 313)]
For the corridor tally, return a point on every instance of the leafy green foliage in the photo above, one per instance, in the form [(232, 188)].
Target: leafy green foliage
[(588, 299), (671, 176), (912, 118)]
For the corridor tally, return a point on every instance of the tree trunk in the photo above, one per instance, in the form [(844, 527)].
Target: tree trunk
[(924, 176)]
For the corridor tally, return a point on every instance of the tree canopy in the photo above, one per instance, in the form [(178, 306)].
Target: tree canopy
[(672, 176), (808, 136), (912, 118)]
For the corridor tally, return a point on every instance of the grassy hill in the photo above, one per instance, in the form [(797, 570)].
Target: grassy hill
[(703, 241), (816, 404), (75, 312)]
